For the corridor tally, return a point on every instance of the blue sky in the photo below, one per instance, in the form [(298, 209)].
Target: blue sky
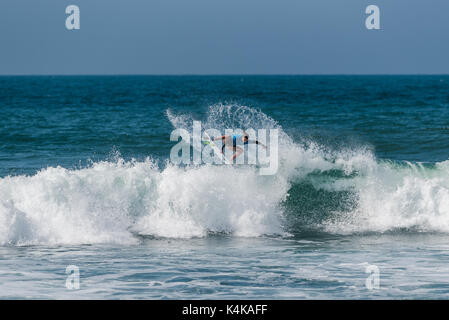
[(224, 37)]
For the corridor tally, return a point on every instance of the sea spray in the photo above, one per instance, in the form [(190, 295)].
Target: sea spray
[(339, 191), (111, 202)]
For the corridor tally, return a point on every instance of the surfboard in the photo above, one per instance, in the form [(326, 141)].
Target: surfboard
[(208, 141)]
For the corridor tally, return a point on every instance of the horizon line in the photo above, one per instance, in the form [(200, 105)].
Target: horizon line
[(219, 74)]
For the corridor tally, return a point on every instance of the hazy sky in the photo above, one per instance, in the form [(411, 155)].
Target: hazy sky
[(224, 37)]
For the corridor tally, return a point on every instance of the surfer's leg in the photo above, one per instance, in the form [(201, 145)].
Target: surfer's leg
[(237, 151), (229, 147), (226, 143)]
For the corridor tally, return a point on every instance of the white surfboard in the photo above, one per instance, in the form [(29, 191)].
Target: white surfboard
[(207, 140)]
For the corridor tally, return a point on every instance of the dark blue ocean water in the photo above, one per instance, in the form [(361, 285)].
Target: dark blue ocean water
[(62, 120), (363, 180)]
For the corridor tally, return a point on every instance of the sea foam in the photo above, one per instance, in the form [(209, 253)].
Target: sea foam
[(119, 201)]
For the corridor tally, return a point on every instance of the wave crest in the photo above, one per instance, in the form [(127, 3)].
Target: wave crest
[(337, 191)]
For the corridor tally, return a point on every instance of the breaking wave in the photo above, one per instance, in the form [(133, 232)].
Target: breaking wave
[(316, 188)]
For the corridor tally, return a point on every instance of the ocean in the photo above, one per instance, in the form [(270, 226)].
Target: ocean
[(91, 207)]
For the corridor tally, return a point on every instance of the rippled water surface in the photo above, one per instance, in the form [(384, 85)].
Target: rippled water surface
[(361, 191)]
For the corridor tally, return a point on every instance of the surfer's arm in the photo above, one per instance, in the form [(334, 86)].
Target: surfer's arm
[(219, 138), (257, 142)]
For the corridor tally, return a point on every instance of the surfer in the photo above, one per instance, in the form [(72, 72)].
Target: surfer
[(230, 142)]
